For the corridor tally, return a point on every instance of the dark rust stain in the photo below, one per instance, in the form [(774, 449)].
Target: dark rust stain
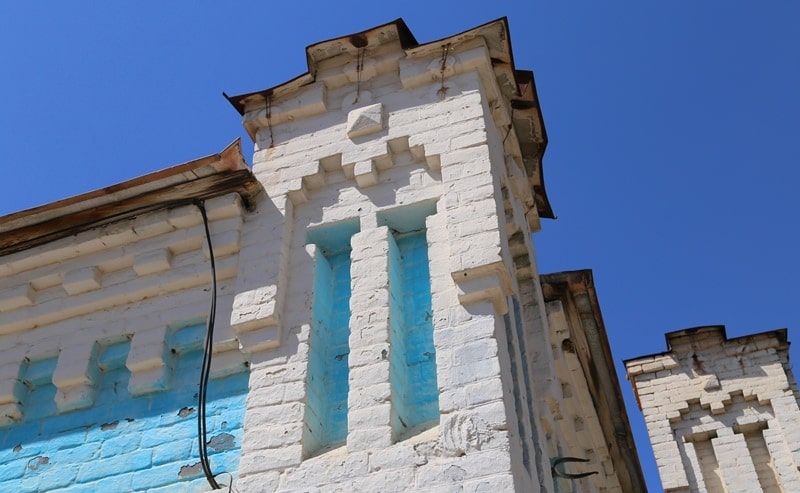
[(698, 365), (358, 40)]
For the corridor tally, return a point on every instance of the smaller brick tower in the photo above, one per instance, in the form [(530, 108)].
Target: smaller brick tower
[(722, 413)]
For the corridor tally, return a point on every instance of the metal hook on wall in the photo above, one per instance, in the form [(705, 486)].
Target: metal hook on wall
[(560, 473)]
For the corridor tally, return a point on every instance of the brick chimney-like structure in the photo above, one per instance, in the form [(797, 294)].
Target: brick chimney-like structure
[(722, 413)]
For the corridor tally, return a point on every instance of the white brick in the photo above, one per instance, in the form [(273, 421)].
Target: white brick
[(366, 174), (152, 262), (365, 120), (82, 280), (16, 297), (344, 164), (75, 375)]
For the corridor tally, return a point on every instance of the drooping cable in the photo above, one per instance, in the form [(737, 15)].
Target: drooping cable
[(205, 368), (231, 489)]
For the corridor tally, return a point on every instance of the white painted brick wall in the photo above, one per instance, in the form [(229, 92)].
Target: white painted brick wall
[(133, 279), (309, 185), (712, 387), (333, 155)]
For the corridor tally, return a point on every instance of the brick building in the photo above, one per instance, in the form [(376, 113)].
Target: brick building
[(379, 322), (722, 413)]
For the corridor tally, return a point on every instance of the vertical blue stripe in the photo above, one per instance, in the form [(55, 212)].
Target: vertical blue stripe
[(327, 379), (415, 391)]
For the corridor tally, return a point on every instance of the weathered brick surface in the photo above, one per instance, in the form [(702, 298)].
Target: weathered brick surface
[(122, 442), (419, 142), (343, 165), (735, 393), (81, 413)]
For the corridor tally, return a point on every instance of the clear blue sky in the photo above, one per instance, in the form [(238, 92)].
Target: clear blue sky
[(673, 159)]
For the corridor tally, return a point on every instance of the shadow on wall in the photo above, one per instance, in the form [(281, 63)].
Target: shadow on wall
[(124, 442)]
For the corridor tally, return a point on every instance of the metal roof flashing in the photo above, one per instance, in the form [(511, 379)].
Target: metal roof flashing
[(202, 178)]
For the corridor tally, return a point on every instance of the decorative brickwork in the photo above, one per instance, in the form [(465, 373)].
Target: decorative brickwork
[(721, 412), (123, 441), (378, 291)]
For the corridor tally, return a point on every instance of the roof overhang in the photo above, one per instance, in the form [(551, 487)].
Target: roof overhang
[(203, 178)]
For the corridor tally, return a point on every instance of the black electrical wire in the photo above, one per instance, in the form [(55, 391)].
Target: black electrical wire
[(205, 368), (230, 484)]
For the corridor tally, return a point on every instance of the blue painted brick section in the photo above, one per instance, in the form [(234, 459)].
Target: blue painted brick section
[(101, 468), (113, 484), (414, 385), (327, 378), (39, 372), (59, 476), (173, 451), (123, 443), (157, 476), (11, 472), (120, 444)]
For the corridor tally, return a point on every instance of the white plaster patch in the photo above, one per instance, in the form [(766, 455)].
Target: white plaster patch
[(365, 120)]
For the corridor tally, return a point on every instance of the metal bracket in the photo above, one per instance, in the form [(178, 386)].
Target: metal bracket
[(557, 472)]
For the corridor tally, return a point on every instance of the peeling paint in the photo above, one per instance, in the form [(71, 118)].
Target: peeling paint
[(185, 411), (40, 460), (124, 434), (109, 426), (190, 471), (223, 441)]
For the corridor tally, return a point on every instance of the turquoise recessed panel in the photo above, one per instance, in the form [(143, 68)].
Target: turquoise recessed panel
[(122, 442), (415, 392), (328, 371)]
